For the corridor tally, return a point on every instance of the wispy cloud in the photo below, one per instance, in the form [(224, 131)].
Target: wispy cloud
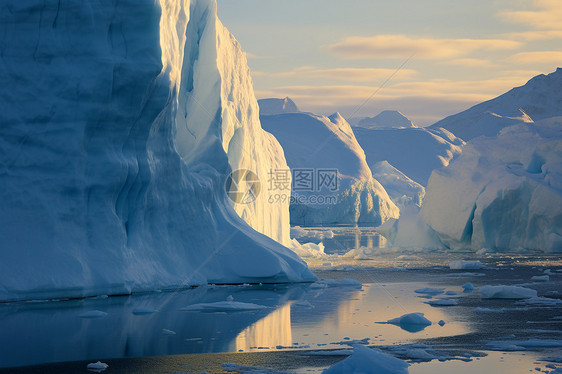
[(540, 57), (470, 62), (349, 74), (534, 35), (546, 15), (403, 46)]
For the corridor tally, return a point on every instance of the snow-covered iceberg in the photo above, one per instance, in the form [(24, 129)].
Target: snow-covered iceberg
[(315, 144), (120, 125), (401, 189), (538, 99), (386, 119), (277, 106), (416, 152), (503, 192)]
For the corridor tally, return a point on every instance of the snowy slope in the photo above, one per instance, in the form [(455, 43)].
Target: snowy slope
[(539, 98), (401, 189), (277, 106), (317, 142), (416, 152), (386, 119), (502, 193), (120, 124)]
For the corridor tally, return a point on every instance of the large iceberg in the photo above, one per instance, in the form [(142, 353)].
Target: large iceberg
[(386, 119), (120, 125), (416, 152), (316, 144), (538, 99), (503, 192)]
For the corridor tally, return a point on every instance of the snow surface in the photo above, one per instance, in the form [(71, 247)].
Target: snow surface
[(501, 193), (538, 99), (386, 119), (507, 292), (369, 360), (317, 142), (416, 152), (120, 124), (277, 106)]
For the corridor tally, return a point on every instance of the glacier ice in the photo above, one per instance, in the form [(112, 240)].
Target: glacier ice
[(120, 124), (314, 142), (503, 192), (538, 99), (401, 189)]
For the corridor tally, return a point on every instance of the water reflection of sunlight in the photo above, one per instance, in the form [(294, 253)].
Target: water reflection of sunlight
[(271, 331)]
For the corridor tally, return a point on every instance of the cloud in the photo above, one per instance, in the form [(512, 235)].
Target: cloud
[(403, 46), (470, 62), (350, 74), (534, 35), (540, 57), (546, 15)]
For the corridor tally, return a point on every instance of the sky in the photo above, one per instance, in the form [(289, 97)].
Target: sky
[(427, 59)]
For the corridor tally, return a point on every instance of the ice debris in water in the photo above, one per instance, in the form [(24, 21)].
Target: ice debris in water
[(507, 292), (367, 360), (462, 264)]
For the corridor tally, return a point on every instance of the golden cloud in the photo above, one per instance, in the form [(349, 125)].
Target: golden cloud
[(403, 46)]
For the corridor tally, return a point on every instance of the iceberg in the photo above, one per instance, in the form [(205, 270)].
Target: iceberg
[(538, 99), (416, 152), (120, 125), (386, 119), (502, 193), (403, 191), (277, 106), (315, 144)]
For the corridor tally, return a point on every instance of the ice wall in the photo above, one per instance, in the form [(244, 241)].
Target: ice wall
[(502, 193), (120, 123)]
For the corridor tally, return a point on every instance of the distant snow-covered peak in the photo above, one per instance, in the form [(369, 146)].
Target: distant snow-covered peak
[(386, 119), (538, 99), (274, 106)]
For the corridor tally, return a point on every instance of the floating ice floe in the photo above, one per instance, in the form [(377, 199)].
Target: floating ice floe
[(97, 367), (507, 292), (93, 314), (223, 306), (430, 291), (540, 278), (411, 322), (168, 332), (442, 302), (463, 264), (512, 345), (367, 360), (143, 311), (468, 287)]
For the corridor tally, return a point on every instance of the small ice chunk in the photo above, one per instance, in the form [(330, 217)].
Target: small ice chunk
[(463, 264), (411, 322), (507, 292), (450, 293), (230, 298), (430, 291), (441, 323), (143, 311), (168, 332), (222, 306), (367, 360), (540, 278), (97, 367), (468, 287), (443, 302), (93, 314)]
